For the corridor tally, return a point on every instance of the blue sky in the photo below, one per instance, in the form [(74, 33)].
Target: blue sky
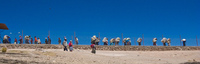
[(110, 18)]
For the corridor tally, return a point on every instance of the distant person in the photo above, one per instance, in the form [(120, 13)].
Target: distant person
[(169, 42), (65, 44), (124, 41), (76, 40), (31, 40), (154, 41), (59, 41), (15, 42), (139, 40), (9, 40), (70, 46), (26, 39), (49, 40), (20, 40), (46, 41), (39, 42), (93, 39), (164, 40), (105, 41), (117, 41), (184, 41), (93, 48), (97, 41), (128, 41), (5, 39), (36, 41), (112, 41)]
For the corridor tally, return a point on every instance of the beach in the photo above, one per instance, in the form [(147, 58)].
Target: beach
[(58, 56)]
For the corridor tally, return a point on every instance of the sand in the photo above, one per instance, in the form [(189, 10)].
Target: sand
[(58, 56)]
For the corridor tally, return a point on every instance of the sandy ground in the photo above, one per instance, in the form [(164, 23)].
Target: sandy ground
[(58, 56)]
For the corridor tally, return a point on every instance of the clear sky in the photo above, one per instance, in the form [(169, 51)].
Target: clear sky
[(110, 18)]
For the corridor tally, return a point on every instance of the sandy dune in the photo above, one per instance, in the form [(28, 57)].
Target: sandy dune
[(58, 56)]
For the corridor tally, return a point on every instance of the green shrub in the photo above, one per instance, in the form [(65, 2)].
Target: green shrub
[(4, 49)]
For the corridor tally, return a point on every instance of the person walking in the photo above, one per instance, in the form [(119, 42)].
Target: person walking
[(93, 48), (128, 41), (184, 41), (5, 39), (154, 41), (20, 40), (49, 40), (46, 42), (39, 42), (70, 46), (59, 41), (105, 41), (76, 40), (93, 39), (15, 42), (169, 42), (97, 41), (117, 41), (9, 40), (65, 44), (164, 40), (139, 40), (26, 39), (31, 40), (112, 41), (35, 40), (124, 41)]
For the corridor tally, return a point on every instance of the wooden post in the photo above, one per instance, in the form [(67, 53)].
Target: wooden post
[(134, 41), (122, 38), (74, 37), (197, 40), (49, 33), (99, 38), (180, 40), (143, 39), (162, 36), (22, 37)]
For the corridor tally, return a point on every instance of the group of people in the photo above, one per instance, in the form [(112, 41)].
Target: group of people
[(127, 41), (94, 40), (28, 40), (65, 44)]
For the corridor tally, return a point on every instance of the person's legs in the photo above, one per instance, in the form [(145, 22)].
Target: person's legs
[(168, 44), (183, 43), (104, 43), (124, 43), (139, 43), (164, 44), (154, 44)]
